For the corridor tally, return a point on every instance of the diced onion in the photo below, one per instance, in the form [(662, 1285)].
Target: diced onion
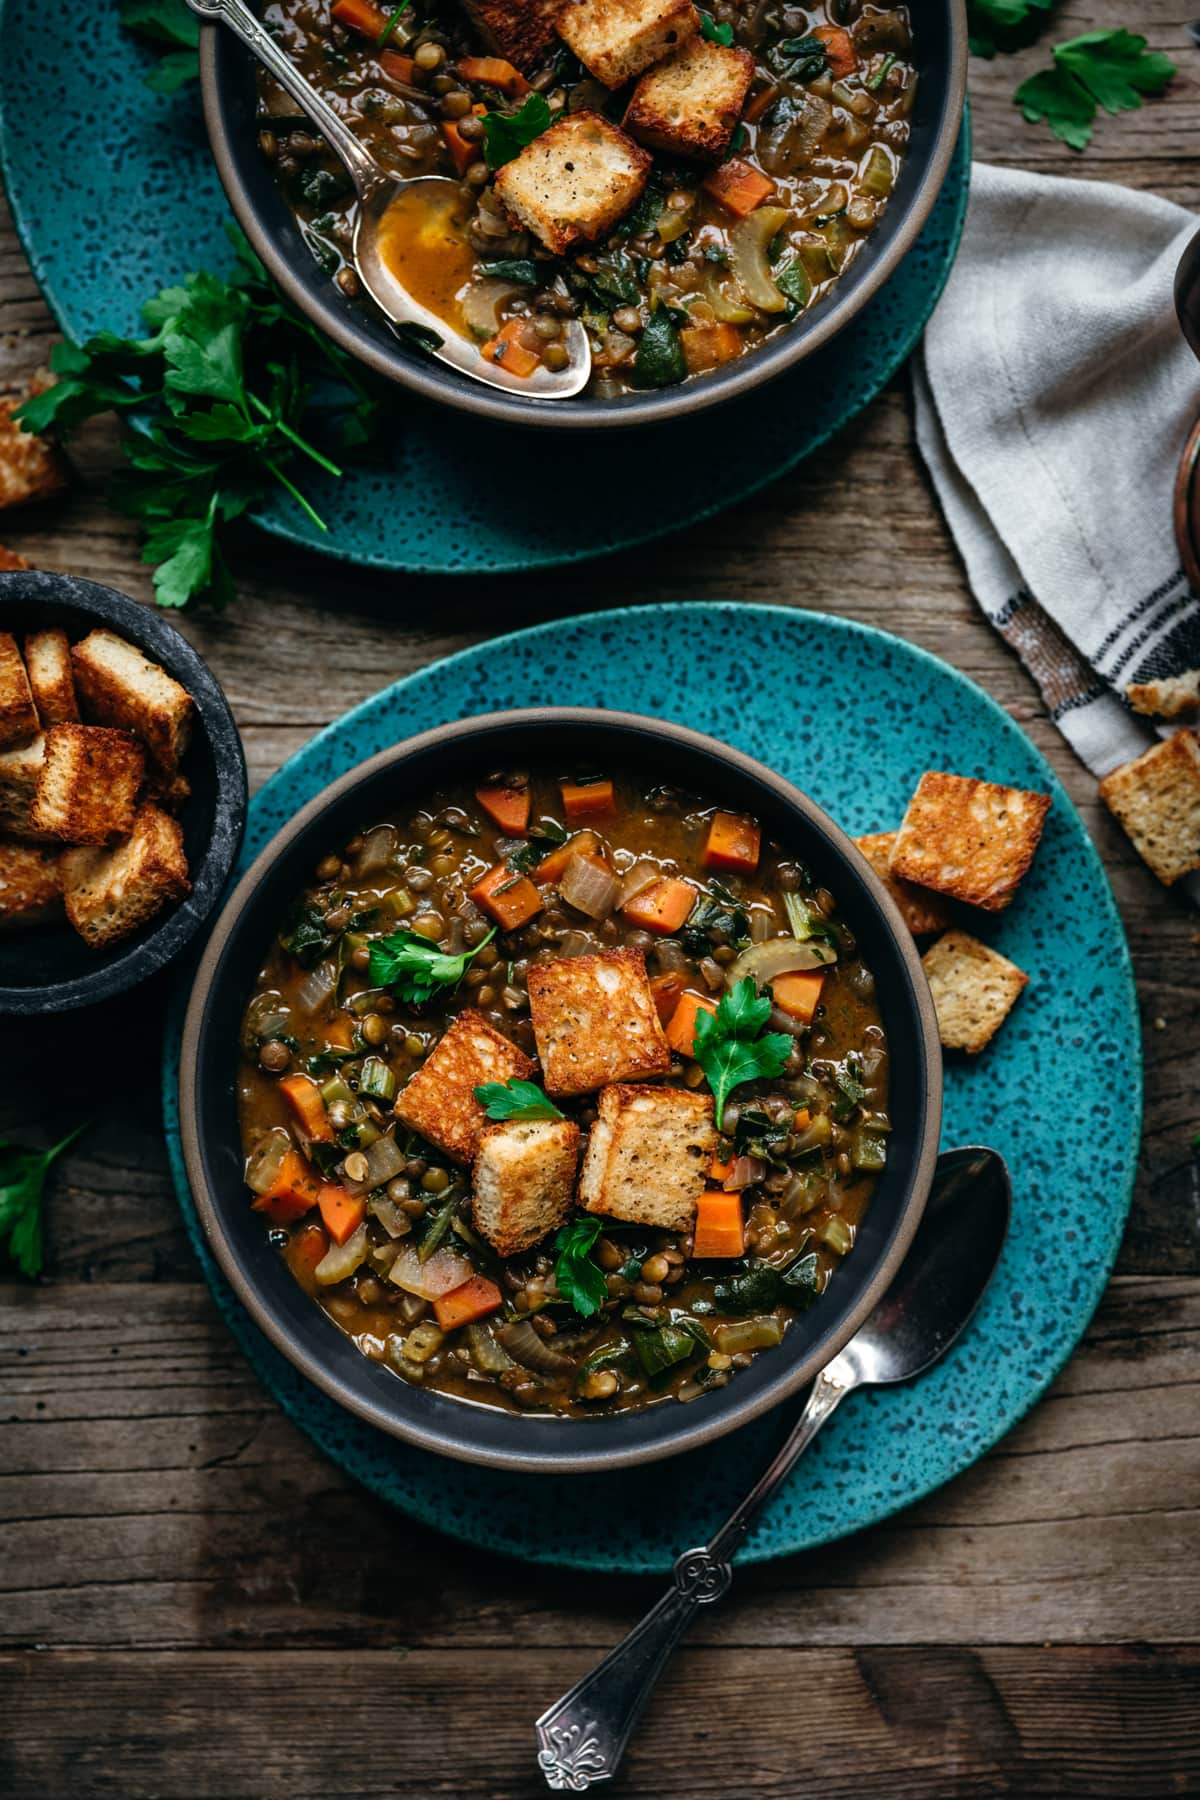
[(522, 1342), (779, 956), (589, 886), (317, 986), (745, 1172), (442, 1272), (341, 1260), (480, 303), (641, 876), (266, 1159), (384, 1159), (378, 848)]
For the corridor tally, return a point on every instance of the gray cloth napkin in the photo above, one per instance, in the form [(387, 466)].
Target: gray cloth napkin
[(1054, 394)]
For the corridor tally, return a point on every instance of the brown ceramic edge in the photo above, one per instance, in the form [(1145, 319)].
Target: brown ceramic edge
[(656, 408), (589, 1461)]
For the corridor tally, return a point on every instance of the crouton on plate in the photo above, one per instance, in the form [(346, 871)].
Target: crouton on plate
[(30, 886), (690, 104), (595, 1021), (1176, 697), (30, 469), (616, 39), (648, 1155), (88, 786), (524, 1181), (521, 30), (922, 910), (48, 663), (119, 686), (20, 772), (972, 840), (574, 182), (111, 893), (974, 989), (18, 714), (1156, 798), (439, 1102)]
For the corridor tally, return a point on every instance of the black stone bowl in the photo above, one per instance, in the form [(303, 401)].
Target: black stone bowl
[(52, 969), (227, 83), (402, 777)]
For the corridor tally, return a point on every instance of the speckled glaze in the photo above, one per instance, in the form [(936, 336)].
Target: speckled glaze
[(853, 717), (136, 203)]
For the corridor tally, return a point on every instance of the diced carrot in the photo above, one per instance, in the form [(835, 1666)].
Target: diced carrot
[(661, 907), (304, 1097), (400, 68), (588, 800), (512, 900), (493, 71), (293, 1192), (681, 1032), (739, 187), (552, 868), (720, 1229), (759, 104), (803, 1119), (733, 843), (506, 807), (341, 1213), (720, 1169), (308, 1248), (339, 1033), (360, 15), (667, 991), (707, 346), (839, 50), (797, 994), (507, 350), (473, 1300)]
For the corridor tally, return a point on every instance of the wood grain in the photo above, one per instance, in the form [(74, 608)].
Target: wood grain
[(193, 1602)]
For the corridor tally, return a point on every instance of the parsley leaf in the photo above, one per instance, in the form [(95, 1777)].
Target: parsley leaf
[(172, 24), (580, 1282), (22, 1187), (515, 1100), (415, 968), (1112, 69), (505, 135), (728, 1046), (716, 34), (1004, 24)]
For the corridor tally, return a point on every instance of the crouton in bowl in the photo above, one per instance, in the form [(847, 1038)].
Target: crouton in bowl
[(560, 1089), (122, 792)]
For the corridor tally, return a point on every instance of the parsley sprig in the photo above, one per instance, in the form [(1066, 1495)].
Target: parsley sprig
[(414, 968), (172, 27), (730, 1050), (579, 1280), (22, 1189), (1004, 24), (715, 33), (505, 135), (1112, 69), (515, 1100)]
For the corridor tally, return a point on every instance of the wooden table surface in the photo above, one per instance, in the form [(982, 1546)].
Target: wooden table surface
[(196, 1603)]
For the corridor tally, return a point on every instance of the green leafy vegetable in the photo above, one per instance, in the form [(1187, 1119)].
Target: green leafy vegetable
[(716, 34), (418, 336), (521, 269), (660, 1347), (22, 1187), (505, 135), (1112, 69), (808, 925), (717, 913), (305, 934), (211, 404), (612, 283), (761, 1286), (798, 59), (393, 21), (791, 278), (660, 360), (171, 24), (515, 1100), (1004, 24), (415, 968), (729, 1048), (757, 1134), (543, 838), (580, 1282)]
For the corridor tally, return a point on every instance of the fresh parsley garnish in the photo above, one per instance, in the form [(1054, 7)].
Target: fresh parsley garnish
[(1112, 69), (515, 1100), (716, 34), (580, 1282), (730, 1050), (22, 1188), (414, 968), (393, 19), (505, 135), (1004, 24), (716, 913), (173, 25)]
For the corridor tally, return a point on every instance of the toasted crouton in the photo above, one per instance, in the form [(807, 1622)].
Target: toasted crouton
[(616, 39), (524, 1181), (119, 686), (648, 1155), (110, 893), (48, 662), (30, 469), (690, 104), (88, 786), (439, 1102), (574, 182), (922, 910), (30, 886), (18, 714), (1176, 697), (1156, 798), (20, 772), (12, 559), (595, 1021), (972, 840), (171, 792), (521, 30), (974, 989)]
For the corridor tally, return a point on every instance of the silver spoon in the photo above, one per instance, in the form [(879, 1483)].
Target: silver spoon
[(941, 1281), (377, 190)]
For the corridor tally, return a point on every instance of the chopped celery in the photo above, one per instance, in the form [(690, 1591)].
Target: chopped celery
[(747, 1334), (377, 1079), (837, 1233), (868, 1149), (400, 902), (336, 1088), (878, 175), (423, 1341)]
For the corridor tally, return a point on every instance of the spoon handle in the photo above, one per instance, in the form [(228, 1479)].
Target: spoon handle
[(258, 40), (582, 1738)]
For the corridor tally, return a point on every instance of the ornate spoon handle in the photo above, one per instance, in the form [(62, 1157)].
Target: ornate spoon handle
[(582, 1738)]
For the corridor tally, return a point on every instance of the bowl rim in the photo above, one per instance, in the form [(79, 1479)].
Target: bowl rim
[(28, 589), (660, 406), (587, 1454)]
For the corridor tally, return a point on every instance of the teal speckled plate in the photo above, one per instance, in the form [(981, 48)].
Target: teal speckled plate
[(853, 717), (130, 200)]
